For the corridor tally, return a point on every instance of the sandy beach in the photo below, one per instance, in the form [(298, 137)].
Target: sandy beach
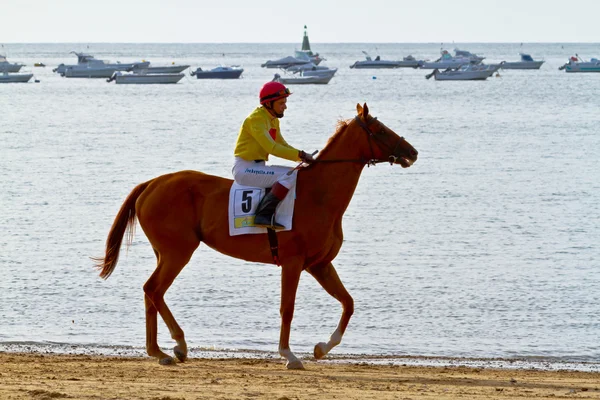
[(45, 377)]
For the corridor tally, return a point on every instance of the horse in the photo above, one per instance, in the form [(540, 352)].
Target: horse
[(178, 211)]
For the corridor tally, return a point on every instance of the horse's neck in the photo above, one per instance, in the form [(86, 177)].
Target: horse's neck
[(331, 185)]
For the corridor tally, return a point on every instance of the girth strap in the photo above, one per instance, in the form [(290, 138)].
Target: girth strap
[(274, 245)]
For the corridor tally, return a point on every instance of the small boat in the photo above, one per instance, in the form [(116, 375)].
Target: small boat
[(5, 77), (88, 61), (303, 80), (310, 68), (317, 72), (464, 73), (447, 61), (144, 79), (377, 63), (526, 63), (221, 72), (6, 66), (576, 64), (88, 71), (474, 58), (166, 69), (284, 62)]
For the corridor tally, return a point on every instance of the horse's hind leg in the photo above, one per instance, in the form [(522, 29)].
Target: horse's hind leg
[(170, 265), (327, 276)]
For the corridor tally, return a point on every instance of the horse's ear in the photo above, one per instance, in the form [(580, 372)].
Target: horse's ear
[(365, 111), (358, 109)]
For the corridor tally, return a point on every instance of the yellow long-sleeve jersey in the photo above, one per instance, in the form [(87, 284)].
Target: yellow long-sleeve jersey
[(260, 136)]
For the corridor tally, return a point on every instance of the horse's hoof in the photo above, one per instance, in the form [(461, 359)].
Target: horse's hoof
[(297, 364), (319, 351), (180, 354), (167, 361)]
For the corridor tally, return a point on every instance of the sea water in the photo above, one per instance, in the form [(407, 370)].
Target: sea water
[(487, 247)]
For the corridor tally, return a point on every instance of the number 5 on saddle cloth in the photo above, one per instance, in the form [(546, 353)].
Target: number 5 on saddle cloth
[(243, 201)]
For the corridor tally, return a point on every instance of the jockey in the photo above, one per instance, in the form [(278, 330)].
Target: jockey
[(260, 136)]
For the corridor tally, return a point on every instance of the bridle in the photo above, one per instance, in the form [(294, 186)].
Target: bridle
[(372, 137)]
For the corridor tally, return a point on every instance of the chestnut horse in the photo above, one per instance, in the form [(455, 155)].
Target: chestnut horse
[(178, 211)]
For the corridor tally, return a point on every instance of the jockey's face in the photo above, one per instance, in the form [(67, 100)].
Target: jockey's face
[(279, 107)]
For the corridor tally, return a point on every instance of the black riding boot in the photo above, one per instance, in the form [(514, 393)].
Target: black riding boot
[(265, 213)]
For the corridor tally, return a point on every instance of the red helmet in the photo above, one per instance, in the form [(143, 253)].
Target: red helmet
[(272, 91)]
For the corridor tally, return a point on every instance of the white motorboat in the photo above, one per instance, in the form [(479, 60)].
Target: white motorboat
[(220, 72), (88, 71), (376, 63), (447, 61), (311, 69), (489, 68), (6, 66), (5, 77), (153, 69), (318, 72), (88, 61), (284, 62), (526, 63), (464, 73), (576, 64), (474, 58), (144, 79), (303, 80)]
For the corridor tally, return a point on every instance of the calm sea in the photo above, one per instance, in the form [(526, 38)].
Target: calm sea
[(486, 248)]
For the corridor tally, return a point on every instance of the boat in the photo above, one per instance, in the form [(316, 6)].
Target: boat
[(221, 72), (88, 71), (378, 63), (303, 80), (307, 52), (284, 62), (311, 69), (489, 68), (463, 73), (317, 72), (5, 77), (447, 61), (526, 63), (577, 64), (88, 61), (154, 69), (474, 58), (144, 79), (6, 66)]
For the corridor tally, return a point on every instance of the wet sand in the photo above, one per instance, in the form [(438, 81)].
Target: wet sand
[(44, 377)]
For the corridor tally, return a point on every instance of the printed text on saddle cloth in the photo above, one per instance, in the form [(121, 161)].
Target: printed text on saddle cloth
[(243, 201)]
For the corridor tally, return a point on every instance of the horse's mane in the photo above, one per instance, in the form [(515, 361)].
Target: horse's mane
[(340, 129)]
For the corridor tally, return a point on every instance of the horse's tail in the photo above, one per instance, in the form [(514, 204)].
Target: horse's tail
[(125, 219)]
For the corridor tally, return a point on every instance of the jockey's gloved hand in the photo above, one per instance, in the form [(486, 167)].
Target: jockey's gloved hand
[(305, 157)]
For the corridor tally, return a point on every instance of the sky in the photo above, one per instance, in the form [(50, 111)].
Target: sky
[(282, 21)]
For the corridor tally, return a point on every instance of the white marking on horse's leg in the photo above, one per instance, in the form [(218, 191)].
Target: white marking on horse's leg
[(181, 350), (322, 348), (292, 361)]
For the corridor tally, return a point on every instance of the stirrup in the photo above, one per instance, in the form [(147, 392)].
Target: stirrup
[(271, 224)]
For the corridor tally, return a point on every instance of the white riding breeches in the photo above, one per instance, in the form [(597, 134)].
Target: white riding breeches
[(258, 174)]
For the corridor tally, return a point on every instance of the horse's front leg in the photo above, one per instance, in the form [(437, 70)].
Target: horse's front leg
[(290, 276), (327, 276)]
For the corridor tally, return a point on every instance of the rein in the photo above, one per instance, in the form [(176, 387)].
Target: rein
[(371, 136)]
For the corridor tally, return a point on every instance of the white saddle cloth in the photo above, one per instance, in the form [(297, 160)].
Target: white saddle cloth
[(243, 201)]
